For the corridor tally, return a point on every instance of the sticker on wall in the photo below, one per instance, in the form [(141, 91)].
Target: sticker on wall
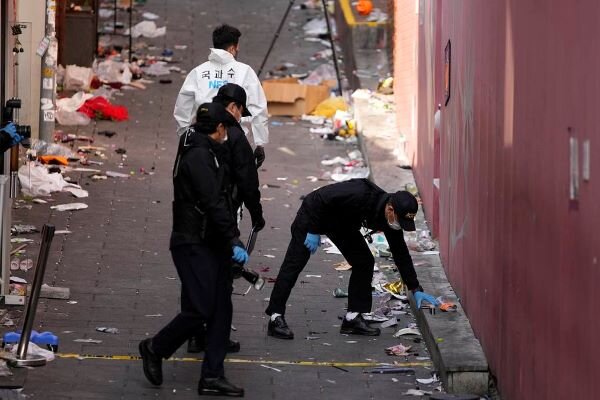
[(47, 104), (447, 71), (47, 83), (49, 115), (43, 46)]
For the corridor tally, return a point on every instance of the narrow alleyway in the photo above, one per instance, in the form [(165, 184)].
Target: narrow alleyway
[(117, 264)]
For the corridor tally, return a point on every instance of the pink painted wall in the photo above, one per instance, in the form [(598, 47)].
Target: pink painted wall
[(522, 256)]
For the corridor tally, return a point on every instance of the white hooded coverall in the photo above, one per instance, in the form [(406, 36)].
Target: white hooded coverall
[(203, 83)]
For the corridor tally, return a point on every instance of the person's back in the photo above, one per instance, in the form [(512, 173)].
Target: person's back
[(204, 81)]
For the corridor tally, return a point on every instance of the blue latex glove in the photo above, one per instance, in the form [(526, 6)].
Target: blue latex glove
[(420, 296), (312, 242), (11, 129), (240, 255)]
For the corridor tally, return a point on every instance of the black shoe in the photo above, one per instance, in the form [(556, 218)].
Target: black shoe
[(218, 387), (152, 363), (358, 326), (196, 345), (279, 329), (233, 346)]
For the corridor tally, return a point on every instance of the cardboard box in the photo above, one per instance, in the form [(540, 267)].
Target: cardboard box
[(288, 97)]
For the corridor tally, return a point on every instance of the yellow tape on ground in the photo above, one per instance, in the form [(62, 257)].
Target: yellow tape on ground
[(300, 363)]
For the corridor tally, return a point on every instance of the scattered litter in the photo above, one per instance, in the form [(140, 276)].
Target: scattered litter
[(72, 302), (269, 255), (269, 367), (287, 150), (153, 315), (330, 381), (70, 207), (20, 240), (407, 331), (284, 178), (416, 392), (39, 201), (312, 276), (391, 370), (94, 341), (351, 341), (389, 322), (180, 47), (397, 350), (23, 229), (107, 330), (62, 232), (147, 29), (157, 69), (313, 119), (108, 134), (429, 381), (312, 337), (79, 193), (114, 174), (340, 293), (150, 16), (33, 350), (374, 317)]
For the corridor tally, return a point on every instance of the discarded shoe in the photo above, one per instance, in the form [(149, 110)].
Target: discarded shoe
[(152, 363), (279, 329), (358, 326), (218, 387)]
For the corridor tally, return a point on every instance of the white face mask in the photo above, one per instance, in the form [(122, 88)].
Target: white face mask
[(395, 225)]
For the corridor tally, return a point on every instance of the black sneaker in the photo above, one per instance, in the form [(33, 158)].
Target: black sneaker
[(218, 387), (152, 363), (279, 329), (358, 326), (196, 345)]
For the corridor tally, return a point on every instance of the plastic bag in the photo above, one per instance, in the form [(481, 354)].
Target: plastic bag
[(328, 107), (113, 71), (78, 78), (43, 148), (74, 102), (157, 69), (148, 29), (36, 181), (72, 118), (322, 73), (33, 350)]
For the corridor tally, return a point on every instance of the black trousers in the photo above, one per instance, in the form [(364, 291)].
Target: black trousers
[(354, 249), (206, 288)]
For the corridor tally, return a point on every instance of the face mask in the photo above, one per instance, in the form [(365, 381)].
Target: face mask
[(395, 225)]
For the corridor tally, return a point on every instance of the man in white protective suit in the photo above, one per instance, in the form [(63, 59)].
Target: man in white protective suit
[(204, 81)]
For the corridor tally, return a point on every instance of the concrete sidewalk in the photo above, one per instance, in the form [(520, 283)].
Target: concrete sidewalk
[(118, 267)]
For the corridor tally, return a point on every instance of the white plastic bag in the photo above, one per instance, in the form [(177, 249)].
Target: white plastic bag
[(78, 78), (72, 118), (36, 181), (148, 29), (33, 350), (113, 71)]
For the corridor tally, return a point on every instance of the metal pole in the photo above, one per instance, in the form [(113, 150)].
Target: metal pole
[(130, 22), (335, 59), (48, 81), (275, 38), (36, 288)]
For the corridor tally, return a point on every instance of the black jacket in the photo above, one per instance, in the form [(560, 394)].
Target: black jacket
[(244, 175), (350, 205), (202, 209)]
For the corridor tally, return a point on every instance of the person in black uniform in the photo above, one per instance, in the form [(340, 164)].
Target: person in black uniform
[(339, 211), (243, 178), (204, 240)]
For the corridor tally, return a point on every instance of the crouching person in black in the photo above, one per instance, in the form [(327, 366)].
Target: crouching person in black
[(204, 240)]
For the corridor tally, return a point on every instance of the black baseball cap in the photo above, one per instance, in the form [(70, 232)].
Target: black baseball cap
[(235, 93), (211, 114), (405, 206)]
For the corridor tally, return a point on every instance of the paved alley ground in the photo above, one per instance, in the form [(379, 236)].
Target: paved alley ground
[(118, 267)]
